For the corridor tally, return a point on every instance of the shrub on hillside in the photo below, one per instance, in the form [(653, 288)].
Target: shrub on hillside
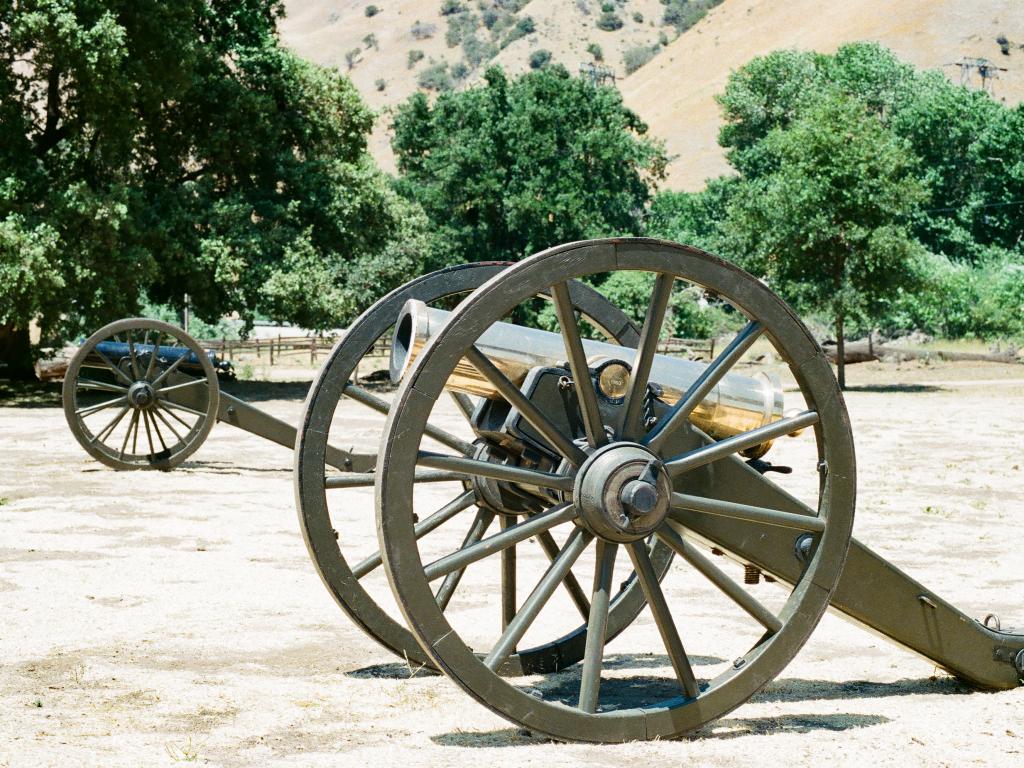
[(371, 11), (637, 56), (609, 21), (420, 30), (435, 77), (539, 58)]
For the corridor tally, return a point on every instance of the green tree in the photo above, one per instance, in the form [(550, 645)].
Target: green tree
[(165, 148), (829, 226), (510, 167)]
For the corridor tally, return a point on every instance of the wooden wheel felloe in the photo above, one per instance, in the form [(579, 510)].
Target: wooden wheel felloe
[(140, 394), (342, 542), (638, 477)]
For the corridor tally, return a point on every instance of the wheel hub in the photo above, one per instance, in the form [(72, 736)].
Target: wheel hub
[(142, 395), (622, 493)]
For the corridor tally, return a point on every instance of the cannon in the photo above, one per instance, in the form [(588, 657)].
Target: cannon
[(142, 394), (607, 456), (520, 398)]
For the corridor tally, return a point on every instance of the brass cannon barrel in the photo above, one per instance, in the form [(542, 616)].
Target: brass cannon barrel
[(737, 403)]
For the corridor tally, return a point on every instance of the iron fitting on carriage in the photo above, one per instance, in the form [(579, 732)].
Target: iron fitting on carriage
[(735, 405)]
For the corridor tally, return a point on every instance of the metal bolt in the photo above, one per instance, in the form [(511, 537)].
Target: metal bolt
[(564, 383), (802, 548), (639, 497)]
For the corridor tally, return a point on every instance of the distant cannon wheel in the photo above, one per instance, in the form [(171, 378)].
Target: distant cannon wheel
[(709, 642), (140, 394), (333, 506)]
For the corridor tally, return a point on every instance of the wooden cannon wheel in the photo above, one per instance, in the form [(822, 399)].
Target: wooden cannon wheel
[(329, 511), (123, 389), (600, 700)]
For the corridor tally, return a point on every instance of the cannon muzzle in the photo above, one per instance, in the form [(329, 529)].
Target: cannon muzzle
[(737, 404)]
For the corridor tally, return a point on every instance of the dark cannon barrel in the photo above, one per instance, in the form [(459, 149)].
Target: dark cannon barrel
[(114, 351)]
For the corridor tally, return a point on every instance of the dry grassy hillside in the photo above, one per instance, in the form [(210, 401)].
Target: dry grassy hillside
[(675, 91), (326, 30)]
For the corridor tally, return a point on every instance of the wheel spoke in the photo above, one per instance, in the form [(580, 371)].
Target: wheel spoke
[(117, 371), (132, 423), (149, 436), (720, 579), (135, 438), (536, 418), (159, 415), (532, 606), (370, 400), (162, 407), (171, 369), (100, 385), (597, 626), (706, 382), (465, 405), (88, 410), (156, 428), (104, 433), (572, 586), (131, 355), (744, 512), (190, 383), (508, 578), (481, 522), (663, 618), (499, 541), (632, 428), (168, 403), (153, 355), (443, 515), (585, 392), (706, 454), (367, 479), (477, 468)]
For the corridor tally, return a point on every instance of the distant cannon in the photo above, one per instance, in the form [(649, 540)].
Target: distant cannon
[(142, 394)]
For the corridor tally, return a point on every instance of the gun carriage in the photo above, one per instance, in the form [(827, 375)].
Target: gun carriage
[(628, 470)]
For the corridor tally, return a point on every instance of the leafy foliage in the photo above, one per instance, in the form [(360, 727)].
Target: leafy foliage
[(637, 56), (164, 148), (507, 168), (539, 58), (829, 225), (609, 21), (959, 150)]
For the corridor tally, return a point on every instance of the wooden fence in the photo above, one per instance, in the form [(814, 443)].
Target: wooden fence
[(288, 348)]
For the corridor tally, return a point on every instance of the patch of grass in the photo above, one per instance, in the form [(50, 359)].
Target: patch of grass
[(184, 753), (4, 501)]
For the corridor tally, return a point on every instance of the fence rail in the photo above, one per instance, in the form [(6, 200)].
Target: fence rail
[(279, 348)]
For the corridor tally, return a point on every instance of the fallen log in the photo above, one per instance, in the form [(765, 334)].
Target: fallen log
[(863, 352)]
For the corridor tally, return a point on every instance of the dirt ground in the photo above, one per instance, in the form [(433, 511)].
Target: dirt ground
[(157, 618)]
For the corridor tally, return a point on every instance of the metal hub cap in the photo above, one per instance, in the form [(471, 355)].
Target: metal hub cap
[(141, 395), (622, 493)]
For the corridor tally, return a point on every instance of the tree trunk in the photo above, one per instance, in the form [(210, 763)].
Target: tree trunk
[(840, 350), (15, 353)]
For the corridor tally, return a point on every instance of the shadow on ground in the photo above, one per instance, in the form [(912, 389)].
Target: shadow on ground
[(625, 693), (29, 394), (894, 388)]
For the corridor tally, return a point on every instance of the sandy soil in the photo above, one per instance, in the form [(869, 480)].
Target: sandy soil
[(158, 618)]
